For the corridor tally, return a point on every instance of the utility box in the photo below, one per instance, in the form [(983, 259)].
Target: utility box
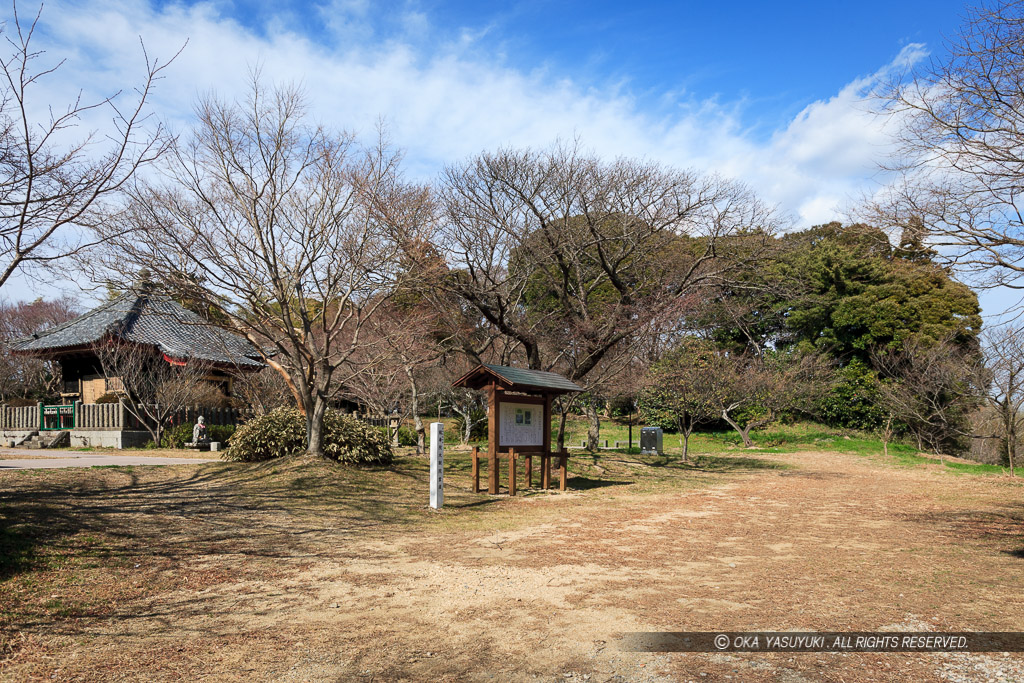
[(651, 441)]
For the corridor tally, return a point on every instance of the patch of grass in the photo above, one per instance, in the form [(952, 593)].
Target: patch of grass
[(908, 457)]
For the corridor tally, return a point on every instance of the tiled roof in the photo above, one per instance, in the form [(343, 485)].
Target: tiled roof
[(149, 319)]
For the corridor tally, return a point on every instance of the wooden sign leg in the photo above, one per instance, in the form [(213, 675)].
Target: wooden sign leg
[(529, 471), (563, 464), (512, 473), (476, 470), (545, 471), (492, 474)]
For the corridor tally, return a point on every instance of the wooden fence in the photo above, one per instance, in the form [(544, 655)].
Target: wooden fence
[(115, 417), (392, 422)]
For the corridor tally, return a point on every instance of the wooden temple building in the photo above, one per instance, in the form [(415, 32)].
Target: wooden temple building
[(518, 423), (163, 329)]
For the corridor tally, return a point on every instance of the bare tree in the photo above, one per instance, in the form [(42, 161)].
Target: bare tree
[(568, 258), (410, 336), (961, 157), (26, 376), (750, 391), (261, 391), (153, 388), (55, 188), (468, 405), (290, 232), (1004, 356), (679, 385), (930, 387)]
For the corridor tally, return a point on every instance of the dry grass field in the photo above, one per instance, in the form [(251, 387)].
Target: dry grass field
[(302, 571)]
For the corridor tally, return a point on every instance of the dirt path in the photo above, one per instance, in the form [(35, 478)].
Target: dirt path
[(834, 543)]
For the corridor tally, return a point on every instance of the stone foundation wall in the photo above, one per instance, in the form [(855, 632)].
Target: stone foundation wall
[(80, 438), (15, 435), (101, 438)]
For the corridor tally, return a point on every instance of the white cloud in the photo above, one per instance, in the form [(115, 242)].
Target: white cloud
[(451, 101)]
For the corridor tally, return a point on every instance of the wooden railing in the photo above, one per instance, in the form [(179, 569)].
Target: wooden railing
[(109, 416)]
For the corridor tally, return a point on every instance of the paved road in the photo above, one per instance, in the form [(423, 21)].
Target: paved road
[(42, 459)]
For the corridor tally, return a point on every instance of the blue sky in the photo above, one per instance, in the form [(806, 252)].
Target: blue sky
[(774, 58), (770, 93)]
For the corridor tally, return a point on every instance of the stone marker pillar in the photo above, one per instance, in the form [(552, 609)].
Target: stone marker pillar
[(436, 465)]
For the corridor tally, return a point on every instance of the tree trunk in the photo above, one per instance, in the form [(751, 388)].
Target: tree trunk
[(593, 427), (421, 434), (414, 404), (561, 428), (289, 382), (1011, 451), (685, 427), (315, 429), (1010, 432), (744, 432), (467, 428), (886, 436)]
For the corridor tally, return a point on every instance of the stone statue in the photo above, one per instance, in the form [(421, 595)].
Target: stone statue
[(199, 431)]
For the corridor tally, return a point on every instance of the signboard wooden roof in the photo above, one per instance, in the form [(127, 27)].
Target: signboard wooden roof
[(517, 379)]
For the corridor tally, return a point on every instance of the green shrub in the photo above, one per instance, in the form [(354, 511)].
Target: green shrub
[(853, 401), (178, 436), (406, 436), (109, 397), (353, 442), (282, 432), (655, 409)]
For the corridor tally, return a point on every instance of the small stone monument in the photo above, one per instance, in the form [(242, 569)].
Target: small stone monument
[(436, 465)]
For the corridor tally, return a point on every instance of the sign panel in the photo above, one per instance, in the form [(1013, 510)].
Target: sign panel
[(521, 424), (436, 465)]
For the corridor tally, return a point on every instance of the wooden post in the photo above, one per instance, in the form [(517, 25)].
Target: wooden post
[(512, 472), (492, 438), (546, 445), (563, 463), (545, 470), (476, 470), (529, 471)]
